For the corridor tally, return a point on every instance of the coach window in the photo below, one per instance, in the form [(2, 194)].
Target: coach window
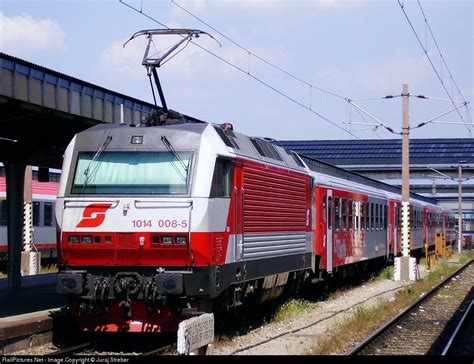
[(329, 212), (324, 210), (372, 216), (3, 212), (343, 214), (385, 216), (362, 215), (222, 179), (351, 214), (36, 213), (382, 217), (377, 216), (366, 216), (48, 214), (337, 216), (376, 222), (399, 217), (356, 209)]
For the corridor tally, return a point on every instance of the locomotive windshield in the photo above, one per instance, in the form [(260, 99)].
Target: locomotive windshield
[(159, 173)]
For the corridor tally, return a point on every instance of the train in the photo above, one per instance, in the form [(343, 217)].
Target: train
[(160, 222), (44, 222)]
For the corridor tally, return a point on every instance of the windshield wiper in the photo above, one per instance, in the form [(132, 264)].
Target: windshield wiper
[(94, 158), (170, 148)]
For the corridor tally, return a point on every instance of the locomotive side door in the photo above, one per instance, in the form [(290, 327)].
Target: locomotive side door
[(238, 199), (329, 239)]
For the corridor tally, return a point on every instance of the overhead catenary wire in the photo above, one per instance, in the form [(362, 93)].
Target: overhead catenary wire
[(250, 53), (402, 6), (440, 53), (248, 74)]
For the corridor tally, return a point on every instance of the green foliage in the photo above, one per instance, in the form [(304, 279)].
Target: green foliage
[(291, 308), (442, 269), (53, 268), (386, 273), (407, 292), (463, 259)]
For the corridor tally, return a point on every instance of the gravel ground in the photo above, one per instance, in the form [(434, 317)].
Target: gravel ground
[(308, 327), (305, 329)]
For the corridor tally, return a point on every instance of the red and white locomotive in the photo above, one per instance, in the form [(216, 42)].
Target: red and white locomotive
[(162, 222)]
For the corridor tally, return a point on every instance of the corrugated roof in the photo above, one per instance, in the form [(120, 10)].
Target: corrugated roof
[(384, 151)]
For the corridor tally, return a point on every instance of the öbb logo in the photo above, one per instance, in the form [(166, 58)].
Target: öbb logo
[(93, 215)]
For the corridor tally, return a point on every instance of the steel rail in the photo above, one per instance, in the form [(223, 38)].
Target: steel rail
[(72, 349), (402, 314), (160, 350), (461, 323)]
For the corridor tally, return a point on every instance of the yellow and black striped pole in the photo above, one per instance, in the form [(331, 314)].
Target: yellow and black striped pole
[(28, 210), (27, 226)]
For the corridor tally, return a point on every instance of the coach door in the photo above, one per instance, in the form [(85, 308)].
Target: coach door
[(329, 204)]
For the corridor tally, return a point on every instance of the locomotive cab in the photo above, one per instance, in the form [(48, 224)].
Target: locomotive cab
[(131, 213)]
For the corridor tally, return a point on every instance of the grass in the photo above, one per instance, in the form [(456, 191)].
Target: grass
[(53, 268), (291, 308), (385, 273), (365, 320)]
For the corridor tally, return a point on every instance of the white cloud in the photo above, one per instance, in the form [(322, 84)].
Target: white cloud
[(117, 62), (22, 34)]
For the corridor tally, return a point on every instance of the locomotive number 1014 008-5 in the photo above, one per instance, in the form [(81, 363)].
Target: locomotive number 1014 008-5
[(162, 223)]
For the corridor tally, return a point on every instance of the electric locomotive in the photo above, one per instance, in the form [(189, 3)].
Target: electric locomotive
[(158, 222)]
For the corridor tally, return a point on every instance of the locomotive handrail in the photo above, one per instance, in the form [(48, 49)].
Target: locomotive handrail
[(114, 202), (163, 204)]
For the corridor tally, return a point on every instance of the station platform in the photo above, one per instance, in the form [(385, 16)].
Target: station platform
[(28, 315), (37, 293)]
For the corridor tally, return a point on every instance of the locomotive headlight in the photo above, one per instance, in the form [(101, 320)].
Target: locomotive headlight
[(86, 239), (74, 239), (181, 240), (166, 239), (136, 139)]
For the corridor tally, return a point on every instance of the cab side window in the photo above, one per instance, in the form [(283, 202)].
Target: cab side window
[(222, 178)]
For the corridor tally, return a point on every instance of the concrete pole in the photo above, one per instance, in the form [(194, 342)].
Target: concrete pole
[(30, 260), (28, 210), (460, 230), (405, 174)]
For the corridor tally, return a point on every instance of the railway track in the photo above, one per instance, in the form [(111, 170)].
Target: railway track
[(126, 346), (309, 325), (426, 326), (73, 349), (462, 339)]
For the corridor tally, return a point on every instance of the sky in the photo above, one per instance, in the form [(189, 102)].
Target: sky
[(330, 51)]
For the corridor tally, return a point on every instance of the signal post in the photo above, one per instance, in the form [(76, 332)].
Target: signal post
[(405, 266), (30, 260)]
